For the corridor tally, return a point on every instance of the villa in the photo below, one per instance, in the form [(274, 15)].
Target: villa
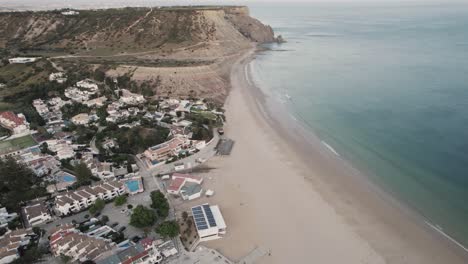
[(209, 222), (186, 185), (97, 102), (81, 119), (130, 98), (59, 77), (36, 214), (15, 123)]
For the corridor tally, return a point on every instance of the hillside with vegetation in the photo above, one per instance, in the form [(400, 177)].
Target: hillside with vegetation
[(189, 50)]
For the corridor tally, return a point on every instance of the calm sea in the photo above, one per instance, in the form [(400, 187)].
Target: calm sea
[(386, 86)]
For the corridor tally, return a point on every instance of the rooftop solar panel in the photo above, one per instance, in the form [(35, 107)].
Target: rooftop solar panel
[(209, 215)]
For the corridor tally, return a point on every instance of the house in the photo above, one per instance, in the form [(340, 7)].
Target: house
[(70, 13), (130, 98), (58, 77), (10, 243), (15, 123), (144, 252), (68, 241), (186, 185), (209, 222), (81, 199), (6, 217), (36, 214), (62, 148), (97, 102), (87, 84), (21, 60), (163, 151), (81, 119)]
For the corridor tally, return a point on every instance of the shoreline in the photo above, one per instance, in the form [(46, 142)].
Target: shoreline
[(378, 231)]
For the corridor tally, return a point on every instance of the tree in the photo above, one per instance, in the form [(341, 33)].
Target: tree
[(168, 229), (142, 217), (185, 215), (97, 207), (18, 184), (120, 200), (104, 219), (82, 172), (160, 203)]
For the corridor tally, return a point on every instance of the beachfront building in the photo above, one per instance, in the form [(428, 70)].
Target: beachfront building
[(209, 222), (17, 124), (11, 241), (186, 185), (163, 151), (22, 60), (36, 213), (81, 199), (144, 252), (66, 240)]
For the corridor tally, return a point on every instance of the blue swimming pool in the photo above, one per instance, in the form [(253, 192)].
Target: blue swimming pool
[(66, 178), (133, 185)]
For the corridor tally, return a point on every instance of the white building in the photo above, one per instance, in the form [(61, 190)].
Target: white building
[(70, 13), (36, 214), (23, 60), (87, 84), (68, 241), (6, 217), (10, 243), (98, 102), (130, 98), (186, 185), (17, 124), (76, 201), (81, 119), (209, 222), (59, 77)]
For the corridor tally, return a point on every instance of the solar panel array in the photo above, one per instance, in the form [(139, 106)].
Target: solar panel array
[(199, 217), (209, 215)]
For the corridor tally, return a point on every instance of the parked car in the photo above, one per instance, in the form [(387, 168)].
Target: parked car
[(221, 131), (135, 239), (114, 224), (122, 228), (86, 216)]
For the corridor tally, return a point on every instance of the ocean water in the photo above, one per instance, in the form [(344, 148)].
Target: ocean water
[(386, 86)]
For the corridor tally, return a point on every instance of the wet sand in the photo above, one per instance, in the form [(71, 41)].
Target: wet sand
[(283, 191)]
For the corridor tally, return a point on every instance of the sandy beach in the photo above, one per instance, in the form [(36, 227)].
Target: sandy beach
[(281, 193)]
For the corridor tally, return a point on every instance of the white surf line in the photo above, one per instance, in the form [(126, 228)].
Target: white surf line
[(439, 230), (330, 148)]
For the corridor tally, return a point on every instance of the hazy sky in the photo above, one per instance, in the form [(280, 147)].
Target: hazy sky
[(52, 4)]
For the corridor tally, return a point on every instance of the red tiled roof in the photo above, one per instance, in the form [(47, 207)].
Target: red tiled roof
[(189, 176), (176, 184), (12, 117)]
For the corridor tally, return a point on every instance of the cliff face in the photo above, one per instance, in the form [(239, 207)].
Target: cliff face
[(189, 50), (129, 29)]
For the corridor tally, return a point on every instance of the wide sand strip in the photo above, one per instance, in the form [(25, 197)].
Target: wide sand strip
[(281, 194)]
